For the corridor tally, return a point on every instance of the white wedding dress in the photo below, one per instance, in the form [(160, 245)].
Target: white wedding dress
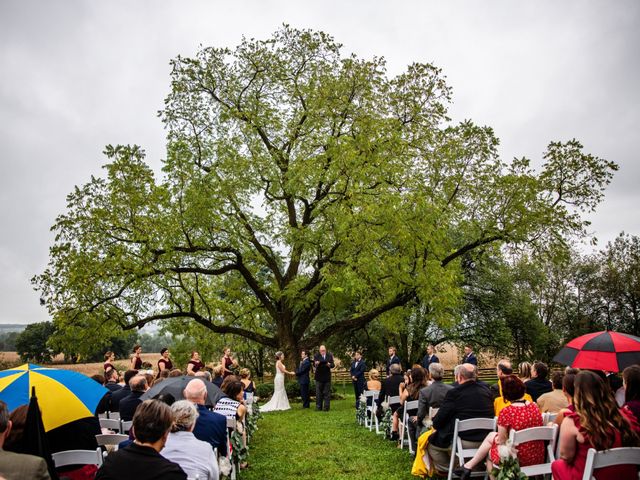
[(279, 400)]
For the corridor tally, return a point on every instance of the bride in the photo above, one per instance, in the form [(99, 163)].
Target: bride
[(279, 400)]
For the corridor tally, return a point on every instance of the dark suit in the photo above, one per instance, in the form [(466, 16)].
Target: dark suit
[(391, 361), (18, 466), (469, 400), (141, 463), (117, 396), (537, 386), (428, 360), (471, 358), (391, 388), (357, 370), (211, 427), (302, 372), (105, 402), (323, 380), (128, 405)]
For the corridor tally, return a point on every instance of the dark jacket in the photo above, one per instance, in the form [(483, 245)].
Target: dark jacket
[(471, 358), (105, 402), (128, 406), (302, 372), (390, 387), (431, 396), (469, 400), (139, 463), (211, 427), (117, 396), (358, 371), (323, 368), (426, 361), (77, 435), (391, 361), (537, 386)]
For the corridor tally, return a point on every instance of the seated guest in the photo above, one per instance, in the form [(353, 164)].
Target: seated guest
[(17, 465), (123, 392), (374, 380), (518, 415), (568, 392), (468, 400), (204, 374), (176, 372), (555, 400), (597, 423), (631, 383), (524, 371), (391, 388), (128, 405), (538, 383), (194, 456), (231, 405), (142, 460), (15, 440), (247, 383), (503, 370), (409, 393), (210, 427), (431, 395), (218, 373), (111, 377)]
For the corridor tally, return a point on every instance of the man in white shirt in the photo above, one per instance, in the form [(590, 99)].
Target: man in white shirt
[(194, 456)]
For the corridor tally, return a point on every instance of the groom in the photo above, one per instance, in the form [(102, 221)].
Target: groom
[(302, 372), (323, 362)]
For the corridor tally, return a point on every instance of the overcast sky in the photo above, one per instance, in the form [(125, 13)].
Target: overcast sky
[(76, 75)]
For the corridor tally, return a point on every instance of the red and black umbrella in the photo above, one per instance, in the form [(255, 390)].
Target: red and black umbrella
[(608, 351)]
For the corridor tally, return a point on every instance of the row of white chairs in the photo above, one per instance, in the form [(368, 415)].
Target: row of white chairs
[(117, 425)]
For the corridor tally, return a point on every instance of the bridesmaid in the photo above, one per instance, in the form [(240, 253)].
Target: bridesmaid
[(165, 362), (136, 359), (109, 358), (227, 362), (195, 364)]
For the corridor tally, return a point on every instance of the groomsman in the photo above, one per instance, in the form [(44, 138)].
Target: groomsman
[(358, 368), (302, 374), (429, 358), (393, 358), (469, 356)]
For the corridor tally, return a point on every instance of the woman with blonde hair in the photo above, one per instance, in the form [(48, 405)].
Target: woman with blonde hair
[(524, 371), (245, 378), (596, 423), (374, 380)]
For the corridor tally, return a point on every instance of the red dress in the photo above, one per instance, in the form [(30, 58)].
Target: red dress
[(519, 418), (562, 470), (228, 363)]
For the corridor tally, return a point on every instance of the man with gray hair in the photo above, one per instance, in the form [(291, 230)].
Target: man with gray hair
[(432, 395), (18, 465), (194, 456), (210, 427), (468, 400), (391, 388), (129, 404)]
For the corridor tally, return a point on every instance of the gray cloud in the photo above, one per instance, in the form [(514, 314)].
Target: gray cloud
[(78, 75)]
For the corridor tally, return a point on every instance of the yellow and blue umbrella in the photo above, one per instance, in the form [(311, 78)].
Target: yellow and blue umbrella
[(63, 395)]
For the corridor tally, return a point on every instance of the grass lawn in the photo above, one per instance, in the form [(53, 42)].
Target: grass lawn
[(305, 444)]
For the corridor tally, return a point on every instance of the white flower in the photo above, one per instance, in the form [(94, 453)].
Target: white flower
[(225, 466), (507, 451)]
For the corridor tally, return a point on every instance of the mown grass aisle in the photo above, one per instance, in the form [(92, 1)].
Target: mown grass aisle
[(305, 444)]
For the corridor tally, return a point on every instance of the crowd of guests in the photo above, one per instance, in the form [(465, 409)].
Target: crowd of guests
[(168, 438), (593, 409)]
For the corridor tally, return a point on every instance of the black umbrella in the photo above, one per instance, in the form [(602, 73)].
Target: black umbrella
[(35, 437), (176, 385)]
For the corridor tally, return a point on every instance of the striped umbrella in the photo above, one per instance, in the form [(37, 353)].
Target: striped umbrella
[(608, 351), (63, 395)]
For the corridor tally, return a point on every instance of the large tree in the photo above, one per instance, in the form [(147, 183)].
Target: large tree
[(304, 194)]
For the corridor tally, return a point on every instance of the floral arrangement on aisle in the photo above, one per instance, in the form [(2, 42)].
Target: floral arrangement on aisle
[(509, 468), (386, 422), (361, 412)]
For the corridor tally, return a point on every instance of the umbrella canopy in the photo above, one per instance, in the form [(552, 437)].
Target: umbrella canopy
[(63, 395), (608, 351), (176, 385)]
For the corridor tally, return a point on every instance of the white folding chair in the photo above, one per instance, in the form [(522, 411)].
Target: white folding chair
[(78, 457), (404, 424), (111, 439), (428, 421), (547, 434), (231, 423), (248, 401), (103, 415), (111, 424), (609, 458), (115, 415), (462, 454), (371, 418), (549, 417), (125, 426)]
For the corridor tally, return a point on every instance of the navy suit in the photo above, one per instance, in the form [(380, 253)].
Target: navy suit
[(391, 361), (471, 358), (211, 427), (128, 406), (357, 370), (428, 360), (302, 372)]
